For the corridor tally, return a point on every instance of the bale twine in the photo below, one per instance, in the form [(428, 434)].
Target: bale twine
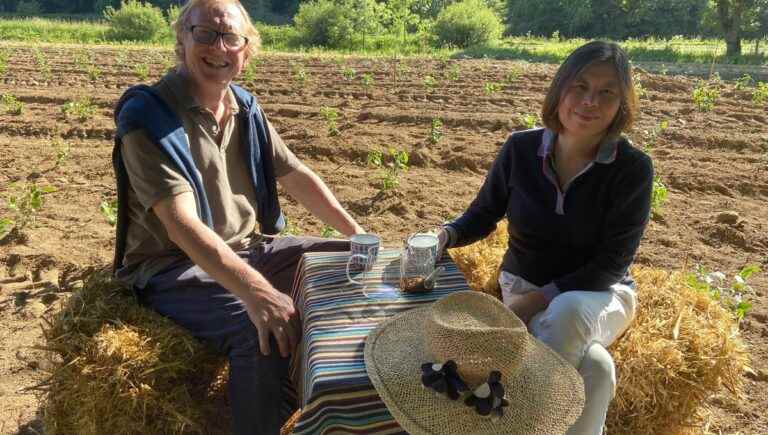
[(121, 369), (682, 347)]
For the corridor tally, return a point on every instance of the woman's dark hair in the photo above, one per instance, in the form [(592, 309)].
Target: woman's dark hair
[(584, 56)]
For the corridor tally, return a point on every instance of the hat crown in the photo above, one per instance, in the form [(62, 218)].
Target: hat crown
[(470, 328)]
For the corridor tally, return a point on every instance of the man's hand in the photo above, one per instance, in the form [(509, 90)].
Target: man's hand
[(527, 305), (273, 312)]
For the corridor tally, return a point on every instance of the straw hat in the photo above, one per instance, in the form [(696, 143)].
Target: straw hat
[(545, 393)]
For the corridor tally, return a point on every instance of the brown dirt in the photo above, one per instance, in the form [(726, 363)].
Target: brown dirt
[(711, 161)]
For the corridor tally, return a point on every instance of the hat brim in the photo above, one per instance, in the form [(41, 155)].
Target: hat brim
[(545, 393)]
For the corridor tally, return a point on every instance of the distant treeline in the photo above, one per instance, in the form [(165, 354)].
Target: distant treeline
[(615, 19)]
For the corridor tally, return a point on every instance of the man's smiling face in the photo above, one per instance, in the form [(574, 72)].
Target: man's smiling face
[(214, 65)]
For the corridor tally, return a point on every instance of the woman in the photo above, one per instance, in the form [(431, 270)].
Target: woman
[(577, 197)]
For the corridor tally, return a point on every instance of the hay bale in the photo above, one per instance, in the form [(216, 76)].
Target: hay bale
[(682, 347), (122, 369)]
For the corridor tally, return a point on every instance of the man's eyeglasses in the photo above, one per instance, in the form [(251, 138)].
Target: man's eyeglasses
[(204, 35)]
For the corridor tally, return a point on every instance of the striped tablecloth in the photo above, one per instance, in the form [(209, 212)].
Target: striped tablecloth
[(335, 393)]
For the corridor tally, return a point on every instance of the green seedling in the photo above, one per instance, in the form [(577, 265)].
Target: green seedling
[(27, 204), (453, 73), (733, 295), (397, 164), (705, 96), (760, 95), (530, 120), (6, 225), (12, 105), (375, 158), (367, 80), (512, 76), (82, 109), (62, 151), (3, 62), (436, 130), (652, 135), (42, 63), (93, 72), (348, 73), (491, 88), (328, 232), (142, 71), (108, 209), (299, 73), (743, 82), (330, 115), (430, 83), (658, 195), (121, 58)]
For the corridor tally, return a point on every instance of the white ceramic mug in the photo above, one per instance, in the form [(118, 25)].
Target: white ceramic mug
[(364, 250)]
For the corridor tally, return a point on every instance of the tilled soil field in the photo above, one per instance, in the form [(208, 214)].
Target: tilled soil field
[(714, 163)]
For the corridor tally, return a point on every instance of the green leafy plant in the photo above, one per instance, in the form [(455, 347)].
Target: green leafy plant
[(27, 203), (135, 21), (328, 232), (42, 63), (436, 130), (12, 105), (453, 73), (512, 76), (466, 23), (142, 71), (93, 72), (658, 195), (375, 158), (733, 294), (529, 120), (705, 96), (348, 73), (491, 88), (743, 82), (62, 151), (299, 73), (3, 62), (393, 164), (82, 109), (430, 83), (330, 115), (652, 135), (760, 95), (108, 209), (367, 80), (6, 225)]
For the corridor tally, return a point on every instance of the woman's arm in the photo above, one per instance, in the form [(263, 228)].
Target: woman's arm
[(490, 204)]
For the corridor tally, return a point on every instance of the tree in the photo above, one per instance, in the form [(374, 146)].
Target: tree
[(733, 15)]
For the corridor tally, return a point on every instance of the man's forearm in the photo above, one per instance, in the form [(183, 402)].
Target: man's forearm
[(309, 190), (207, 250)]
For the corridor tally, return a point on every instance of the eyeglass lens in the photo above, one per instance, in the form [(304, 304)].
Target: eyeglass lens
[(208, 37)]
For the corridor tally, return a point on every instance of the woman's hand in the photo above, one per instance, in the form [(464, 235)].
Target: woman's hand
[(442, 240), (527, 305)]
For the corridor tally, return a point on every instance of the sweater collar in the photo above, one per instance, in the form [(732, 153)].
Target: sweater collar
[(606, 152)]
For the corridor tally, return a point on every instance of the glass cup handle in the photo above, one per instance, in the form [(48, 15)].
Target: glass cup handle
[(349, 263)]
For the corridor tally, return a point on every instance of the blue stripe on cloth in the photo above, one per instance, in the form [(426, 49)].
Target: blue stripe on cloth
[(334, 390)]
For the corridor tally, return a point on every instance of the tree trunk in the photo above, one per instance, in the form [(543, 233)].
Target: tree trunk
[(733, 43)]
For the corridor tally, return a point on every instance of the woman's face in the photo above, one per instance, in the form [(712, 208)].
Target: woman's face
[(590, 102)]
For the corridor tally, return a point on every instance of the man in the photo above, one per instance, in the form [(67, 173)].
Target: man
[(196, 165)]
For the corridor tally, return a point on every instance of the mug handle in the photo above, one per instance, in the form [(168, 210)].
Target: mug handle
[(349, 263)]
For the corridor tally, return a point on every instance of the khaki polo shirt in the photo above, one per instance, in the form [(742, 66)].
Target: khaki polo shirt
[(221, 166)]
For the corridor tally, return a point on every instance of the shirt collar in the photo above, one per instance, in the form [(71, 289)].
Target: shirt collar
[(179, 85), (606, 152)]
